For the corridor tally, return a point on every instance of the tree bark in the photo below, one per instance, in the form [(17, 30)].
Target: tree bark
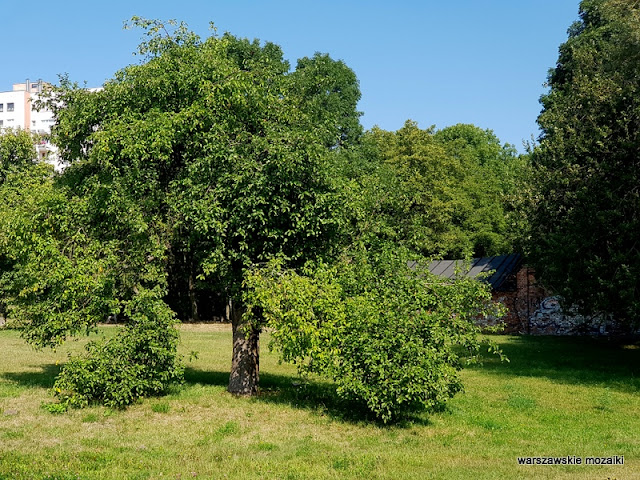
[(193, 301), (245, 362)]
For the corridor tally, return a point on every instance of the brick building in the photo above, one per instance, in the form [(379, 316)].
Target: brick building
[(512, 283), (530, 308)]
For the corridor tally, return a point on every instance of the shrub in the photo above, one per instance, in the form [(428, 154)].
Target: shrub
[(141, 360), (390, 337)]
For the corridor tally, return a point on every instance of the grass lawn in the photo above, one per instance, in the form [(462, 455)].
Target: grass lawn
[(557, 397)]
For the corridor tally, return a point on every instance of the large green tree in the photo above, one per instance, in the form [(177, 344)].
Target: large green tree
[(331, 92), (207, 158), (586, 222)]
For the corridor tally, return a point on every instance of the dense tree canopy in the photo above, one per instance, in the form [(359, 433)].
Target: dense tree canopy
[(393, 338), (586, 223), (447, 193), (331, 93)]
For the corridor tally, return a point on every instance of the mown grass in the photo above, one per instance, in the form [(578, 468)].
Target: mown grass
[(556, 397)]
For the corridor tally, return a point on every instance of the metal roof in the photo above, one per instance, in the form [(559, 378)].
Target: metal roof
[(502, 266)]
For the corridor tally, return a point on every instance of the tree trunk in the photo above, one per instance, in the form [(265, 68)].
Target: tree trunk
[(193, 301), (245, 360)]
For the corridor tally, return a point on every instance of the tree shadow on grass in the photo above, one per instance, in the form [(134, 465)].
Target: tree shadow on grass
[(203, 377), (571, 360), (44, 378), (315, 396)]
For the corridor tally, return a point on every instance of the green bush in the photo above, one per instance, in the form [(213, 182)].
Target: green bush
[(141, 360), (391, 338)]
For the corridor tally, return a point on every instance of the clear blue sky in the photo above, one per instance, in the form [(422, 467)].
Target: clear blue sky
[(435, 62)]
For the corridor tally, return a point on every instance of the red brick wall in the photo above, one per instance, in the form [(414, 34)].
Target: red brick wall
[(522, 302)]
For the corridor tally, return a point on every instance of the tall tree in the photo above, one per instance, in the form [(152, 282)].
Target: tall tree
[(586, 224), (438, 192), (205, 159), (498, 178)]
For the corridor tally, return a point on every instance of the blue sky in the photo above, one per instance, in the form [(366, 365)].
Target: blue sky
[(435, 62)]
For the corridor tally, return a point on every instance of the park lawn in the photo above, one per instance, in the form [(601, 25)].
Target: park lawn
[(556, 397)]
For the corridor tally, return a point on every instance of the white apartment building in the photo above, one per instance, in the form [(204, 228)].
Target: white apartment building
[(17, 111)]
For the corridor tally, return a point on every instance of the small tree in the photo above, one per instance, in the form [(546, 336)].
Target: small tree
[(17, 155), (391, 338), (62, 277)]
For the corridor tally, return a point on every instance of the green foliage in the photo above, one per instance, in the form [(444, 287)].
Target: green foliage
[(219, 144), (55, 408), (330, 93), (139, 361), (391, 338), (209, 158), (498, 180), (186, 169), (65, 274), (439, 193), (17, 156), (584, 237), (16, 151)]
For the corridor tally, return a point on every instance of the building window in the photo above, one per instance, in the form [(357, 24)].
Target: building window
[(9, 107), (1, 107), (1, 123)]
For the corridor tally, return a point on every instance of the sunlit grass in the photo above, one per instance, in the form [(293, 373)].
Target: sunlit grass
[(557, 397)]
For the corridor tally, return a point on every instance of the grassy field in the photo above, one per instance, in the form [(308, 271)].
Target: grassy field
[(557, 397)]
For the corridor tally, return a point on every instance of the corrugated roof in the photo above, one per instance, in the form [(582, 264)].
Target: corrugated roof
[(503, 266)]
